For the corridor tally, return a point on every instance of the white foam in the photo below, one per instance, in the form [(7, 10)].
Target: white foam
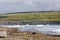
[(46, 29)]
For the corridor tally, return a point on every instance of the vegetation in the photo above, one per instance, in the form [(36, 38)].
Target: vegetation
[(3, 16), (38, 16)]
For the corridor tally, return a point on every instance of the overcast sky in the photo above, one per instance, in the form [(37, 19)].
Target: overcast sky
[(7, 6)]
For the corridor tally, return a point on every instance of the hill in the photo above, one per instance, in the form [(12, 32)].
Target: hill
[(30, 16)]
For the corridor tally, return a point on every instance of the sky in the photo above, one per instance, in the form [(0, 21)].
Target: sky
[(9, 6)]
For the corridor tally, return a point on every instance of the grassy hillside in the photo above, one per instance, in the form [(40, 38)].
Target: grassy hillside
[(39, 16)]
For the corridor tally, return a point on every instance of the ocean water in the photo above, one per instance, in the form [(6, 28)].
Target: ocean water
[(45, 29)]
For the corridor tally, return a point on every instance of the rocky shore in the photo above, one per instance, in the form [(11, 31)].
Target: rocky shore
[(30, 36)]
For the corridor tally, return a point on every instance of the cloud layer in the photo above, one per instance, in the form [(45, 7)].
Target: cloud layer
[(28, 5)]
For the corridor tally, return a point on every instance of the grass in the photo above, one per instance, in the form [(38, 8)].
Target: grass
[(38, 16)]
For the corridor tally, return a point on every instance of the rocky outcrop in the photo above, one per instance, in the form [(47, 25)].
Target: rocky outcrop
[(3, 33)]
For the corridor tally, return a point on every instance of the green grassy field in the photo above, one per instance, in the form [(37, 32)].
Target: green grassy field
[(39, 16)]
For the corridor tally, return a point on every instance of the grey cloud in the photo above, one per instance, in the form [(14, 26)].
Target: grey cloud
[(28, 5)]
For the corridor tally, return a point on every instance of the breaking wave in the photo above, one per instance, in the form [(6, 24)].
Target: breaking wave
[(45, 29)]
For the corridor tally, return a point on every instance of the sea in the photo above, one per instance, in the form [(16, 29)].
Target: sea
[(45, 29)]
